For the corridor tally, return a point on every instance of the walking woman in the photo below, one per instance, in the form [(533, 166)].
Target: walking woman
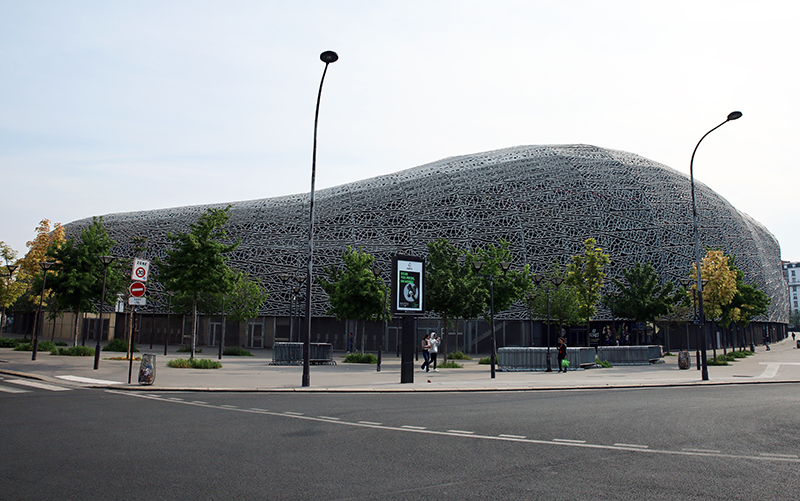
[(562, 354), (426, 354)]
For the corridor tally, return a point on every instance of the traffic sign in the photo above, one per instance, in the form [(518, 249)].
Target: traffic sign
[(137, 289), (141, 269), (137, 301)]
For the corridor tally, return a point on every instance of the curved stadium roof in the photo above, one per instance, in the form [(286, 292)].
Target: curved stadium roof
[(545, 200)]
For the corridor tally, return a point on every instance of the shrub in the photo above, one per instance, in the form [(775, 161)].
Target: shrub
[(235, 351), (458, 355), (61, 343), (194, 363), (358, 358), (741, 354), (43, 346), (23, 347), (450, 364), (73, 351), (119, 344), (720, 360), (9, 342), (486, 361), (605, 364), (730, 357)]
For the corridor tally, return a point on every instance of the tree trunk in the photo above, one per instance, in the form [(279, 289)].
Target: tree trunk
[(194, 324), (75, 330), (363, 335)]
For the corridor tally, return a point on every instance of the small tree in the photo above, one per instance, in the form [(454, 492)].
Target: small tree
[(564, 300), (10, 289), (196, 265), (353, 291), (245, 299), (446, 283), (585, 274), (641, 297)]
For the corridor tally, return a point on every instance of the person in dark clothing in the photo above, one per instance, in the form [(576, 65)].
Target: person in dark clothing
[(562, 354)]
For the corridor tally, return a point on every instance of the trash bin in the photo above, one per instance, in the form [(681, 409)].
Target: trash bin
[(684, 360), (147, 369)]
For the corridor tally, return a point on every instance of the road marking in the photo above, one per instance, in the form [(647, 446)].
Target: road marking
[(371, 423), (176, 399), (328, 418), (643, 449), (463, 432), (227, 406), (569, 441), (769, 454), (36, 384), (256, 409), (87, 380), (199, 402), (705, 451), (8, 389)]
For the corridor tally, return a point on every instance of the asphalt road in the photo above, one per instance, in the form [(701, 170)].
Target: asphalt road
[(727, 442)]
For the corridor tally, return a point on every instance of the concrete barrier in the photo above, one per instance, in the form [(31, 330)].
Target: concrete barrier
[(629, 355), (535, 358)]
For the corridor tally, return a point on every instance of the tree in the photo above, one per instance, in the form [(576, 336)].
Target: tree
[(76, 278), (245, 299), (641, 297), (585, 274), (446, 285), (748, 301), (46, 237), (10, 289), (196, 264), (564, 300), (721, 286), (354, 292)]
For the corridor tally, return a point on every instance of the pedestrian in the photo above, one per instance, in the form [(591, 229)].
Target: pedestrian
[(793, 337), (350, 343), (562, 354), (426, 354), (434, 351), (765, 338)]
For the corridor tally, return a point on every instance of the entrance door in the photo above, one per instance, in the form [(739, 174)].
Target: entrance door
[(214, 333), (255, 335)]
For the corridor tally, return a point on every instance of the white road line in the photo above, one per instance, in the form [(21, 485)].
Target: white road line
[(176, 399), (371, 423), (463, 432), (513, 436), (227, 406), (706, 451), (569, 441), (87, 380), (771, 455), (199, 402), (643, 449), (36, 384), (259, 410), (328, 418), (8, 389)]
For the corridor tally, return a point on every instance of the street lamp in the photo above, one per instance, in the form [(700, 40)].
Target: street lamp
[(45, 265), (326, 57), (735, 115), (505, 265), (106, 260)]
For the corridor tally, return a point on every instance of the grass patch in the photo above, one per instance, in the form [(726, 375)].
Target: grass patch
[(188, 349), (669, 354), (485, 361), (720, 360), (119, 345), (9, 342), (458, 355), (235, 351), (122, 358), (450, 364), (741, 353), (358, 358), (605, 364), (73, 351), (194, 363)]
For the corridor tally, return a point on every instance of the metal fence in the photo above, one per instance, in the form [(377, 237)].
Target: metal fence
[(292, 353), (535, 359)]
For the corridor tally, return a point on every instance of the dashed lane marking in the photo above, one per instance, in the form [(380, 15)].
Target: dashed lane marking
[(569, 441), (87, 380), (643, 449), (8, 389), (461, 432), (704, 451)]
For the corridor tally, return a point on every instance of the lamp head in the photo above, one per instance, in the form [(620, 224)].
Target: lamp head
[(557, 281), (45, 265), (734, 115), (477, 265), (537, 279), (284, 277), (505, 265), (106, 260), (329, 57), (12, 268)]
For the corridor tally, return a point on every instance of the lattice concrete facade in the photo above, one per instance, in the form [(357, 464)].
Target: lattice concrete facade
[(545, 200)]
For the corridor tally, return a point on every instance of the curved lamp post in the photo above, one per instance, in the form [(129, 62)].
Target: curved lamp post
[(326, 57), (106, 260), (735, 115), (45, 265), (505, 265)]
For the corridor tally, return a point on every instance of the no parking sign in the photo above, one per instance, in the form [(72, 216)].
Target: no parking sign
[(141, 268)]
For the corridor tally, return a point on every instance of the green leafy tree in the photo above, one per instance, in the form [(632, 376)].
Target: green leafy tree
[(747, 303), (354, 292), (721, 286), (641, 297), (10, 289), (76, 278), (244, 301), (196, 264), (585, 274), (564, 299), (447, 290)]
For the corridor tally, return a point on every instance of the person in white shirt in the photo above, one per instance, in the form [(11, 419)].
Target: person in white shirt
[(434, 350)]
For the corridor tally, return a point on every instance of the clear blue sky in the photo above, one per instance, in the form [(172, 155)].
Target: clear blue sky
[(125, 106)]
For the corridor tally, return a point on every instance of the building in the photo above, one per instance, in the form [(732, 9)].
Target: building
[(545, 200), (791, 272)]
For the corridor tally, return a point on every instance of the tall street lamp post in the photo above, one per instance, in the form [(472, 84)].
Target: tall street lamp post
[(106, 260), (505, 265), (735, 115), (45, 265), (326, 57)]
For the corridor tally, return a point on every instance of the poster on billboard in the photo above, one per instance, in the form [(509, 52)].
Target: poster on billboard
[(408, 291)]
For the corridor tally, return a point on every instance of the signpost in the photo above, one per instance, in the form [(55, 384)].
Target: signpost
[(140, 270), (408, 301), (137, 290)]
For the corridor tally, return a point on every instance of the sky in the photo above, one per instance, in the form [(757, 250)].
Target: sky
[(123, 106)]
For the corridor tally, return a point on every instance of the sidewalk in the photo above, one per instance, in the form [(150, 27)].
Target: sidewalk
[(779, 365)]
